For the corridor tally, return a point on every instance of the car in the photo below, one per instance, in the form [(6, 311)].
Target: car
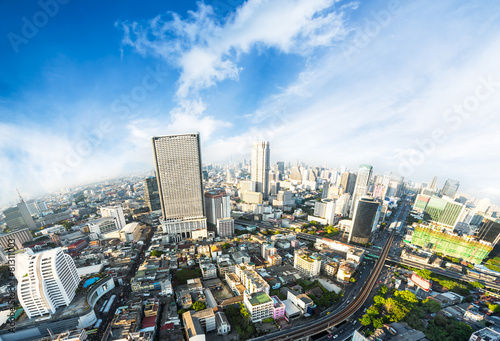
[(330, 336), (336, 336)]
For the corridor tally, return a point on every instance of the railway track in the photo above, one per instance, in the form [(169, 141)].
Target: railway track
[(332, 321)]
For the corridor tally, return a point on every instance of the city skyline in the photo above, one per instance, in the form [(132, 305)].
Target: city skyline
[(87, 105)]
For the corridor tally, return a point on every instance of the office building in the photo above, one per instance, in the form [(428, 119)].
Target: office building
[(102, 226), (450, 188), (19, 217), (444, 211), (364, 215), (342, 205), (46, 281), (260, 167), (15, 239), (180, 185), (489, 231), (307, 263), (151, 195), (326, 210), (348, 182), (362, 184), (432, 184), (217, 205), (225, 227), (115, 212)]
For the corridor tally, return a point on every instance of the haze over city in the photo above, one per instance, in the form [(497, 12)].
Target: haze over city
[(336, 83)]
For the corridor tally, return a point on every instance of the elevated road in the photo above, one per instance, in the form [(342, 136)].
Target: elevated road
[(330, 321)]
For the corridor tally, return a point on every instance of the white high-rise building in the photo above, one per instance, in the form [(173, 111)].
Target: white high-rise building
[(115, 212), (46, 281), (260, 167), (362, 184), (180, 185)]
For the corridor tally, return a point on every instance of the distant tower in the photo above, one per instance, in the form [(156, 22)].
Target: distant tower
[(46, 281), (260, 167), (432, 185), (180, 184), (450, 188), (151, 196)]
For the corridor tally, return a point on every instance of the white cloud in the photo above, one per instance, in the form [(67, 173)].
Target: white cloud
[(206, 49)]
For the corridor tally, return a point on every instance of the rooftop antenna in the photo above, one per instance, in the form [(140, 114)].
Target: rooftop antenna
[(20, 197)]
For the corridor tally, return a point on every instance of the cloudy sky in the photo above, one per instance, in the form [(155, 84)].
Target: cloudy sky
[(411, 88)]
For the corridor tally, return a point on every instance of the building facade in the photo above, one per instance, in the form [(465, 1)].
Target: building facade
[(46, 281), (151, 195), (364, 217), (261, 159), (180, 184)]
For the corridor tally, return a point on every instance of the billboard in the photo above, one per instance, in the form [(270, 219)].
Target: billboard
[(423, 284)]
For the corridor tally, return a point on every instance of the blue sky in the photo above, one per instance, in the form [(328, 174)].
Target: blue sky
[(411, 88)]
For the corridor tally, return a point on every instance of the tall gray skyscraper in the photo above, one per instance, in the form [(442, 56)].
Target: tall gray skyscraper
[(450, 188), (180, 185), (19, 217), (260, 167)]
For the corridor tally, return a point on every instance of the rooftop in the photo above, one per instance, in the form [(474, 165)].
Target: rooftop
[(259, 298)]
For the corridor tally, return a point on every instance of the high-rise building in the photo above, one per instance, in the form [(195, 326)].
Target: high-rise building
[(432, 185), (489, 231), (46, 281), (364, 215), (348, 182), (180, 184), (115, 212), (217, 205), (19, 217), (260, 167), (281, 169), (362, 184), (225, 227), (450, 188), (15, 239), (151, 195), (307, 263)]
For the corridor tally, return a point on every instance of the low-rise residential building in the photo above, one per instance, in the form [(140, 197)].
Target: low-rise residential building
[(301, 301), (329, 268), (208, 270), (486, 334), (278, 308), (345, 271), (250, 279), (222, 323)]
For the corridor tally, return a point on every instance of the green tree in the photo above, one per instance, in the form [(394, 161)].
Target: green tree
[(378, 323), (365, 320), (476, 284), (373, 311), (379, 300), (406, 297), (156, 253), (431, 306), (495, 308), (181, 311), (225, 245), (199, 305), (383, 290), (424, 273)]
